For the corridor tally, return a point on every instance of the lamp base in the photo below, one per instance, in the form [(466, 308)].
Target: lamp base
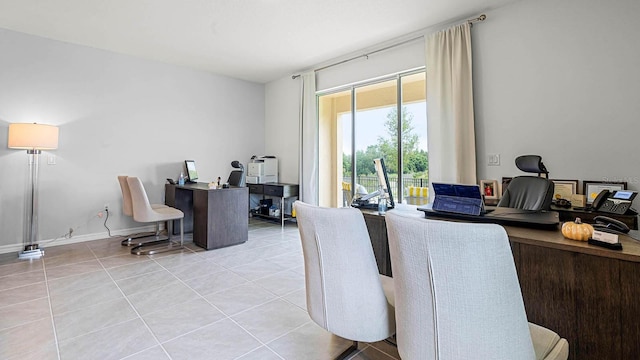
[(31, 251)]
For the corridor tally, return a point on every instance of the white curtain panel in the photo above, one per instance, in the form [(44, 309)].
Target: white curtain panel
[(308, 182), (450, 128)]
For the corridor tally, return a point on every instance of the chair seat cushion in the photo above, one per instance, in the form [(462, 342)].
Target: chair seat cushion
[(387, 287), (167, 213), (545, 343)]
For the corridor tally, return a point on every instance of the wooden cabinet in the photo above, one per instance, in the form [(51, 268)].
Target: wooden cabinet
[(588, 295)]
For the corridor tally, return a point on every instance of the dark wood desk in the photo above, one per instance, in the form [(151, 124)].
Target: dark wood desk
[(217, 217), (587, 294)]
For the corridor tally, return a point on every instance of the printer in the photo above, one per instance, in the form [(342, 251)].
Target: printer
[(262, 169)]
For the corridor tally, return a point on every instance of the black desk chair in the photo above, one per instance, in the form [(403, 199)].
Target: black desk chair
[(529, 192), (237, 178)]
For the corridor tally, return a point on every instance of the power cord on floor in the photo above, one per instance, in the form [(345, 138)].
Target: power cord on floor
[(105, 222), (72, 230)]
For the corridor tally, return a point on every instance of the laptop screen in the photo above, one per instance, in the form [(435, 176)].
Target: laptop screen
[(458, 190)]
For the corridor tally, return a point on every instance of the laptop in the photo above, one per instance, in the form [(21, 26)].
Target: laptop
[(458, 199)]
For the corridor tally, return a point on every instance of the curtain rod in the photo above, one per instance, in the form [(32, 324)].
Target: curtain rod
[(482, 17)]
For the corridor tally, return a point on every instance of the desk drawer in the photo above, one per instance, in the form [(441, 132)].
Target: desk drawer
[(273, 190), (281, 190), (256, 188)]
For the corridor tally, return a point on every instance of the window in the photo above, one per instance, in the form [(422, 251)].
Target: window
[(360, 123)]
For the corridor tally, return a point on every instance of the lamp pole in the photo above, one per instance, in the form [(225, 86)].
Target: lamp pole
[(31, 249)]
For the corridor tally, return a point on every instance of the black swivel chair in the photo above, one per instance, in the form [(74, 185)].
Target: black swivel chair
[(236, 178), (529, 192)]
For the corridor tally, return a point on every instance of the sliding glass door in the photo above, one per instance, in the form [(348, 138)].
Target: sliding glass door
[(379, 119)]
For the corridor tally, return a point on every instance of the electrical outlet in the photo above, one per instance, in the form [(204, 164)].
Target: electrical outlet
[(106, 207)]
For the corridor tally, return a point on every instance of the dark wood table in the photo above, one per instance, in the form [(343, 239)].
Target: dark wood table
[(217, 217), (587, 294)]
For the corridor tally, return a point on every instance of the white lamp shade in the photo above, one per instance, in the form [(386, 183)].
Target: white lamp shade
[(33, 136)]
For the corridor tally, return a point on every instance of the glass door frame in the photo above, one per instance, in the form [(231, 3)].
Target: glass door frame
[(352, 89)]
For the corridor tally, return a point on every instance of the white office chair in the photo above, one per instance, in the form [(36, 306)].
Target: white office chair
[(127, 209), (345, 294), (458, 295), (143, 212)]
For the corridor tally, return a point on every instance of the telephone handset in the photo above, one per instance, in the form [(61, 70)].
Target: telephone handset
[(606, 223), (617, 202), (600, 199)]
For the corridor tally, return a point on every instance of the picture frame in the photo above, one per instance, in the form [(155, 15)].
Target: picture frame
[(564, 189), (592, 188), (504, 184), (489, 189)]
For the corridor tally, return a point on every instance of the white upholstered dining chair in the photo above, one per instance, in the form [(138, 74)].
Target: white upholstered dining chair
[(143, 212), (458, 296), (345, 293)]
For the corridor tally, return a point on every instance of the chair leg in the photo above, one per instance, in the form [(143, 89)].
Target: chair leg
[(154, 247), (350, 351), (392, 340)]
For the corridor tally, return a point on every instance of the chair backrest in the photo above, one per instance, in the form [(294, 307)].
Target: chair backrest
[(528, 193), (142, 211), (344, 291), (457, 292), (236, 178), (127, 207)]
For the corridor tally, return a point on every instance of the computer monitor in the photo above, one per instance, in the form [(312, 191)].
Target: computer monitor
[(192, 173), (381, 172)]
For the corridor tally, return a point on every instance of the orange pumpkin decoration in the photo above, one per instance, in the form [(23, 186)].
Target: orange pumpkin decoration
[(577, 230)]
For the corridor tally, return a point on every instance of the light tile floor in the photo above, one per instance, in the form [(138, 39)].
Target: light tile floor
[(95, 300)]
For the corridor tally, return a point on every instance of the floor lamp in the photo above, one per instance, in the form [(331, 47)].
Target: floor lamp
[(34, 138)]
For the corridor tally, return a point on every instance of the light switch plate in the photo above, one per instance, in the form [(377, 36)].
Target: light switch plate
[(493, 159)]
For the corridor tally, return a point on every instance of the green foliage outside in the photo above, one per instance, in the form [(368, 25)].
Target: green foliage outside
[(416, 161)]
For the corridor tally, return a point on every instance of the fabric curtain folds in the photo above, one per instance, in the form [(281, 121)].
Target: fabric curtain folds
[(450, 127), (308, 182)]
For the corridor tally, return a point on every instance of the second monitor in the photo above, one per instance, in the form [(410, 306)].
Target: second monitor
[(192, 173)]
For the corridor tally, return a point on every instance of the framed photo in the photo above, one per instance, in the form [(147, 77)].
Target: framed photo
[(489, 188), (593, 188), (564, 189), (504, 184)]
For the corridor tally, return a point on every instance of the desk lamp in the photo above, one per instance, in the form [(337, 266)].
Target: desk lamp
[(34, 138)]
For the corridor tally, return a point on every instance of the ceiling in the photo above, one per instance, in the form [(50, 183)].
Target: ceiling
[(255, 40)]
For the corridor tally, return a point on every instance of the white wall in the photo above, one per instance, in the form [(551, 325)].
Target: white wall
[(118, 115), (560, 79), (554, 78)]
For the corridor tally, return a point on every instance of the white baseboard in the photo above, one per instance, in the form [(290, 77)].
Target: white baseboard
[(77, 239)]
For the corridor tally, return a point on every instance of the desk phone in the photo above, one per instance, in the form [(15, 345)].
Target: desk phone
[(617, 202)]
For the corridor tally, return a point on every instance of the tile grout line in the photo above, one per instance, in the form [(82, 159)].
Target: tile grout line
[(218, 309), (135, 310), (53, 321), (227, 317)]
